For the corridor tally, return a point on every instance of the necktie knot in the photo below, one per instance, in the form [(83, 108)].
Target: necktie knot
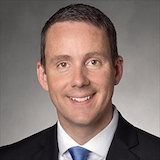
[(78, 153)]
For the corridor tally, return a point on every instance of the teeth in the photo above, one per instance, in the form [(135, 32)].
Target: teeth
[(81, 99)]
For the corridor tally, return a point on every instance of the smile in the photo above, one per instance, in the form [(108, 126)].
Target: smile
[(80, 99)]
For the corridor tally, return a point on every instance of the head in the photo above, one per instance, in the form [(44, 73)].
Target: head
[(79, 66), (82, 13)]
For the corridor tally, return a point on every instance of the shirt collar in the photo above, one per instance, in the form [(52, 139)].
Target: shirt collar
[(104, 138)]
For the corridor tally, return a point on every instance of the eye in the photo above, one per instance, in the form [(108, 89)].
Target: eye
[(63, 65), (94, 63)]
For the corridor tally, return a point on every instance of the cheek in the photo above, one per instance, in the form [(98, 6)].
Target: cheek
[(105, 84), (104, 79), (56, 84)]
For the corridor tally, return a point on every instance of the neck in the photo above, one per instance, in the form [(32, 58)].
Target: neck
[(83, 133)]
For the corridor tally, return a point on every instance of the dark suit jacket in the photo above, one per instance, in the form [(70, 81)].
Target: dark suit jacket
[(129, 143)]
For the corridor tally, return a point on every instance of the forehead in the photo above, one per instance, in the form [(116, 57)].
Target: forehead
[(74, 27), (73, 35)]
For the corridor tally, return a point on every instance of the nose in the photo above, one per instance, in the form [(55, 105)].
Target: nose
[(80, 78)]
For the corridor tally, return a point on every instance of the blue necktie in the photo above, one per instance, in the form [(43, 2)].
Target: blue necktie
[(78, 153)]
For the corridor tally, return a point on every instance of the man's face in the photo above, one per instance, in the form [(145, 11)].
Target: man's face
[(80, 76)]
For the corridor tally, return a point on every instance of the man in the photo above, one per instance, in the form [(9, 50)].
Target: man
[(79, 67)]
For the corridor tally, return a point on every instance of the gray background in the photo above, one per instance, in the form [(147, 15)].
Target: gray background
[(26, 109)]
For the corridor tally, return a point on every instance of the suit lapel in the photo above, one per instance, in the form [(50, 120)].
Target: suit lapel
[(124, 141), (49, 147)]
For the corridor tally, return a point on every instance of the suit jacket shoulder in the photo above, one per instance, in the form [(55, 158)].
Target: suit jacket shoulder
[(33, 147), (149, 146), (131, 143)]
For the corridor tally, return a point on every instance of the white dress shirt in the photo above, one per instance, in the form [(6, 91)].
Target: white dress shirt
[(98, 145)]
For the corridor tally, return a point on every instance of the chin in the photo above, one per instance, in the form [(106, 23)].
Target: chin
[(81, 121)]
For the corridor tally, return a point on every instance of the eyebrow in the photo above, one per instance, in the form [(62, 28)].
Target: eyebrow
[(100, 54), (56, 58)]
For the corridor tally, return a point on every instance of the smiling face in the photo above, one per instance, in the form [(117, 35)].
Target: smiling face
[(79, 75)]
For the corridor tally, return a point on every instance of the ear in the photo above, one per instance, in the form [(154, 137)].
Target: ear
[(118, 66), (42, 77)]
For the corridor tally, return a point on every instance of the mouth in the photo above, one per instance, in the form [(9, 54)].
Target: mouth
[(81, 99)]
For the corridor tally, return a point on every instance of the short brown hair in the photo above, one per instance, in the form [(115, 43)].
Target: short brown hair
[(82, 13)]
